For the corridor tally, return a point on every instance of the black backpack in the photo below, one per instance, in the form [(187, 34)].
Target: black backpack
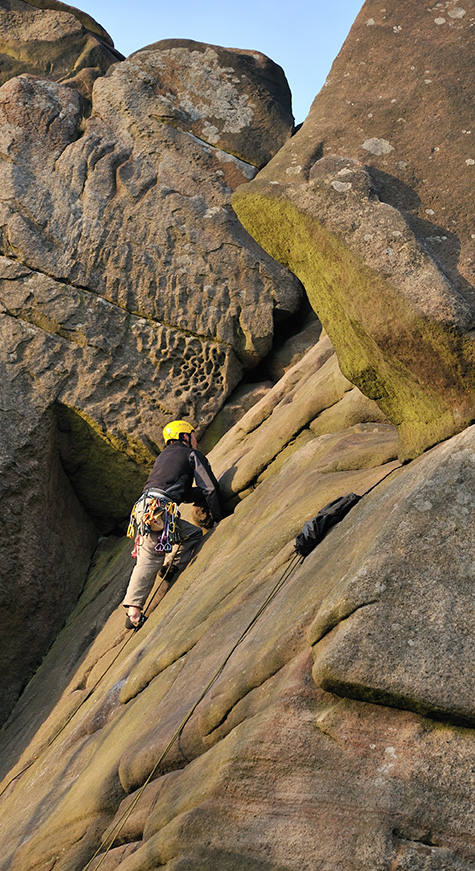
[(315, 530)]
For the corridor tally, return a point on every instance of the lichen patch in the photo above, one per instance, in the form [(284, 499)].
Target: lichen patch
[(341, 186), (377, 146)]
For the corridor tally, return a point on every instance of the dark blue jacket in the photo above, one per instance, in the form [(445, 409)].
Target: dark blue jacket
[(174, 471)]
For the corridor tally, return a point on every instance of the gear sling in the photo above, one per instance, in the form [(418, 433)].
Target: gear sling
[(154, 512)]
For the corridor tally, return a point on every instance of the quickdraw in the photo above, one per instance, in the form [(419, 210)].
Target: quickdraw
[(152, 509), (137, 543), (169, 536)]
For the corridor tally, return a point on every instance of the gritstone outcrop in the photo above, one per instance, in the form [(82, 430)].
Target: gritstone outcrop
[(51, 39), (271, 714), (371, 205), (130, 293)]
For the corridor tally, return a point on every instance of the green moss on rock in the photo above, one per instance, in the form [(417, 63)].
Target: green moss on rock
[(107, 472), (419, 371)]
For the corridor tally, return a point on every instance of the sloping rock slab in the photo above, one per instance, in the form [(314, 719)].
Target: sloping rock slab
[(270, 772), (295, 411)]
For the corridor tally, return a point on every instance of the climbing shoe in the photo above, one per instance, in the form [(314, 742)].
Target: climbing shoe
[(129, 624)]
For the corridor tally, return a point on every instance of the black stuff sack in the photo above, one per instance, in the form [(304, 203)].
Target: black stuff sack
[(315, 530)]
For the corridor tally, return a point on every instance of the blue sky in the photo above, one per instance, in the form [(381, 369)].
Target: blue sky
[(303, 36)]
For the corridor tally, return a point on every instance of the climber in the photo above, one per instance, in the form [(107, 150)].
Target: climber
[(169, 483)]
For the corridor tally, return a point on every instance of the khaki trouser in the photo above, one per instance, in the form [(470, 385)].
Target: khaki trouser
[(149, 561)]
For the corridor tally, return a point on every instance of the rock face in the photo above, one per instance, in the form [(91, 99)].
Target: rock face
[(236, 100), (51, 39), (366, 642), (129, 292), (370, 204), (273, 713), (136, 212), (47, 541), (338, 733)]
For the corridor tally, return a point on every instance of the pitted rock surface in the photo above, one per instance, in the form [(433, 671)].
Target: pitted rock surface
[(55, 41), (136, 210), (130, 294), (371, 204)]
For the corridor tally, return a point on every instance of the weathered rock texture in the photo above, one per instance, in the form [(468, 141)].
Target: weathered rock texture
[(129, 292), (284, 355), (51, 39), (339, 734), (323, 717), (371, 205), (236, 100)]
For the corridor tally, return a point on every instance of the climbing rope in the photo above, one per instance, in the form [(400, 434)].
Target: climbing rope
[(294, 562), (90, 692)]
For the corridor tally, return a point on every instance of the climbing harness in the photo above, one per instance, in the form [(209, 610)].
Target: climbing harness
[(154, 512), (291, 566)]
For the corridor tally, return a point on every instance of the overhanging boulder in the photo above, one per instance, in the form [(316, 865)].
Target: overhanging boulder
[(371, 205)]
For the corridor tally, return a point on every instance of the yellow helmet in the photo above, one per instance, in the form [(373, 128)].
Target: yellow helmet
[(173, 429)]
